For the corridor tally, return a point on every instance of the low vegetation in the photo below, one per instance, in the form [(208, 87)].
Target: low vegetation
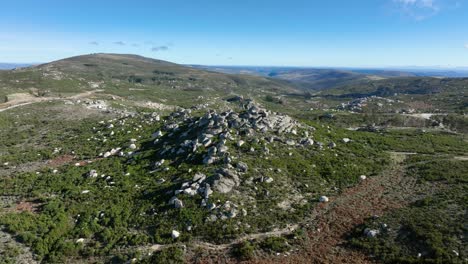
[(107, 177)]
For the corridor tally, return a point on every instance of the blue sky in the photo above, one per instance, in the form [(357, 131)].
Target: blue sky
[(367, 33)]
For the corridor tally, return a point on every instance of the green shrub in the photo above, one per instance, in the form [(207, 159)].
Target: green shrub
[(275, 244), (244, 250)]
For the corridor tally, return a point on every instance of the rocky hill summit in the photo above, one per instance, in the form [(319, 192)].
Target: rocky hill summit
[(216, 173), (208, 140)]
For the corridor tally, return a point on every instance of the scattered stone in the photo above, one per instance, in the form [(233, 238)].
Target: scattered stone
[(268, 180), (176, 202), (323, 199), (371, 232), (225, 181), (158, 164), (92, 174), (157, 134), (175, 234), (207, 191), (199, 177), (242, 166)]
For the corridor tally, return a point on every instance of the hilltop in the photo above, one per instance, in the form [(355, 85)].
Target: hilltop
[(125, 75)]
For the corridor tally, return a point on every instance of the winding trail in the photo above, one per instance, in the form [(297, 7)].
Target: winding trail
[(219, 247)]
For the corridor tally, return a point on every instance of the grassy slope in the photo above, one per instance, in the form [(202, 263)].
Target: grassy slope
[(32, 132), (148, 79)]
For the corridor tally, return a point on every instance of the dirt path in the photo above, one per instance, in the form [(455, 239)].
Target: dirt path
[(27, 99), (209, 246), (219, 247)]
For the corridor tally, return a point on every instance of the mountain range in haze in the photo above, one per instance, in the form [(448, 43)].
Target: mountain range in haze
[(9, 66)]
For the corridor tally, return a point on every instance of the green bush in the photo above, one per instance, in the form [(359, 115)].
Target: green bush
[(275, 244), (244, 250)]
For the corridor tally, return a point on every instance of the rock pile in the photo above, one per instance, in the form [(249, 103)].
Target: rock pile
[(210, 139), (186, 137)]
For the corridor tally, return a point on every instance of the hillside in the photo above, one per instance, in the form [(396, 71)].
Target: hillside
[(305, 78), (446, 94), (131, 75), (109, 158), (318, 79)]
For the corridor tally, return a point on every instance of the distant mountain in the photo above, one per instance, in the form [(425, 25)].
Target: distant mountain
[(306, 78), (416, 72), (325, 78), (10, 66), (403, 85), (319, 78)]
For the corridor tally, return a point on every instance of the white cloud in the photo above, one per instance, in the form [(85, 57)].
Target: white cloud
[(466, 46), (160, 48), (431, 4), (418, 9)]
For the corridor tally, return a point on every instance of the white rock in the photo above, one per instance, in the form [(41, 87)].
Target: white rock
[(92, 174), (159, 163), (85, 192), (133, 146), (176, 202), (157, 134), (268, 180), (207, 191), (80, 240), (240, 143), (371, 232), (190, 191), (199, 177), (175, 234), (346, 140), (362, 177), (323, 199)]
